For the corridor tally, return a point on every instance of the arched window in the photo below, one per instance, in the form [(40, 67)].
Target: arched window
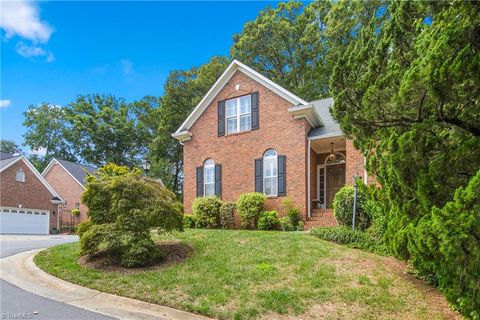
[(209, 177), (20, 176), (270, 173)]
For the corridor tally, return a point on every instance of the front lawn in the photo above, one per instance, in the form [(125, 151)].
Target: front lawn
[(254, 274)]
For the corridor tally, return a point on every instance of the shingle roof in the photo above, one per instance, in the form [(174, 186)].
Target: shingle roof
[(5, 155), (77, 170), (4, 161), (330, 127)]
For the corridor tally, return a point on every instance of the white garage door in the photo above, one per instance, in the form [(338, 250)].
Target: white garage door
[(24, 221)]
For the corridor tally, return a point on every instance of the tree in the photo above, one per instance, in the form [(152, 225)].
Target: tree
[(406, 84), (183, 91), (9, 146), (123, 208), (105, 129), (47, 128), (288, 45)]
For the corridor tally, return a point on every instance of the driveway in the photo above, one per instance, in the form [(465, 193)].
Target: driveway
[(16, 303)]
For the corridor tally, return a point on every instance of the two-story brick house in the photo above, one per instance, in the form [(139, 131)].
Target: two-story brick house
[(28, 204), (250, 134), (68, 179)]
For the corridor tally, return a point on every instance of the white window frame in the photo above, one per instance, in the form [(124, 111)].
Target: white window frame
[(266, 158), (20, 178), (210, 164), (238, 115)]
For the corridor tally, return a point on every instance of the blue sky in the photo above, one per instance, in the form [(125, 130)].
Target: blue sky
[(55, 51)]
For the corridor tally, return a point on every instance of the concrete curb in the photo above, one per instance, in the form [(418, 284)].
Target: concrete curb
[(20, 270)]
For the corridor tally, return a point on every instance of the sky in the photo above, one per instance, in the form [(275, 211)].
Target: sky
[(52, 51)]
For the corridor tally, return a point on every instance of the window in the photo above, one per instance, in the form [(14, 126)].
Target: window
[(20, 176), (270, 173), (77, 205), (209, 177), (239, 114)]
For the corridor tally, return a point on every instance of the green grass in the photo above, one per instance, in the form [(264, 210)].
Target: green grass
[(253, 274)]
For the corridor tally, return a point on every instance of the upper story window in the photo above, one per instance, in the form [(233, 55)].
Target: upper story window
[(20, 176), (209, 177), (239, 114), (270, 173)]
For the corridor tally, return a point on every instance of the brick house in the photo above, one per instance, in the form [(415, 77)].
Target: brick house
[(28, 204), (250, 134), (68, 179)]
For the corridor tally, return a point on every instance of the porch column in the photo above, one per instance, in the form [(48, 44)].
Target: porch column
[(309, 200)]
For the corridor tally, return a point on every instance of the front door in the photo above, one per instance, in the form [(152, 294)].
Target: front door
[(335, 181)]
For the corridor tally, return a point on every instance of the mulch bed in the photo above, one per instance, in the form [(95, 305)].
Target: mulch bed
[(174, 253)]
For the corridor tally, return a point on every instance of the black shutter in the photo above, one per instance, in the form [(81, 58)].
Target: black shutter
[(218, 180), (199, 181), (282, 176), (255, 113), (258, 175), (221, 118)]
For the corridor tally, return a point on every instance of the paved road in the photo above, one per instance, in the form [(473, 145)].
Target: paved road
[(16, 303)]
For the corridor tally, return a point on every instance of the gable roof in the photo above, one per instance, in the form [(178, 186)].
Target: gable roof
[(7, 163), (75, 170), (330, 127), (5, 155), (6, 159), (235, 65)]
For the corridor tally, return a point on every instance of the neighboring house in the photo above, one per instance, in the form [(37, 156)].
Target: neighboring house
[(68, 179), (28, 204), (249, 134)]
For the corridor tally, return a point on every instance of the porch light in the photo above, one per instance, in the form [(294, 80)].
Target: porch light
[(332, 156), (146, 166)]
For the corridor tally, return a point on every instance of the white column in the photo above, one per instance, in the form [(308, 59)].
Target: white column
[(309, 201)]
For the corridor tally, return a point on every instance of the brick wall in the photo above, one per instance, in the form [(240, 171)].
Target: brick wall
[(354, 162), (31, 194), (237, 152), (70, 191)]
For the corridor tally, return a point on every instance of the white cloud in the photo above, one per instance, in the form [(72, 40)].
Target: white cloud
[(5, 103), (32, 51), (22, 18), (127, 67), (39, 152)]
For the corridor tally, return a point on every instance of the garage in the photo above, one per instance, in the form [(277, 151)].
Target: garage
[(24, 221)]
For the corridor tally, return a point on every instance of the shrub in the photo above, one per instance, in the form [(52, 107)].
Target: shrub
[(348, 236), (301, 226), (249, 206), (83, 227), (445, 246), (227, 212), (292, 212), (189, 221), (123, 208), (343, 208), (75, 212), (286, 224), (268, 220), (207, 212)]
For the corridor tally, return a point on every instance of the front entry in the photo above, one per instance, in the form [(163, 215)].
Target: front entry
[(335, 181)]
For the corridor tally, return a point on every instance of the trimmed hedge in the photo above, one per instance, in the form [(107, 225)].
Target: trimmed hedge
[(227, 212), (249, 206), (343, 208), (189, 221), (268, 221), (206, 212)]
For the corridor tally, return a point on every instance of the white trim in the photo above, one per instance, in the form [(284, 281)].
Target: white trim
[(234, 66), (324, 166), (182, 136), (35, 172), (330, 135), (309, 196), (275, 161), (212, 166), (308, 112), (238, 114), (50, 166)]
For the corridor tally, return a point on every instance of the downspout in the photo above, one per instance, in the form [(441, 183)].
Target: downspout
[(308, 180)]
